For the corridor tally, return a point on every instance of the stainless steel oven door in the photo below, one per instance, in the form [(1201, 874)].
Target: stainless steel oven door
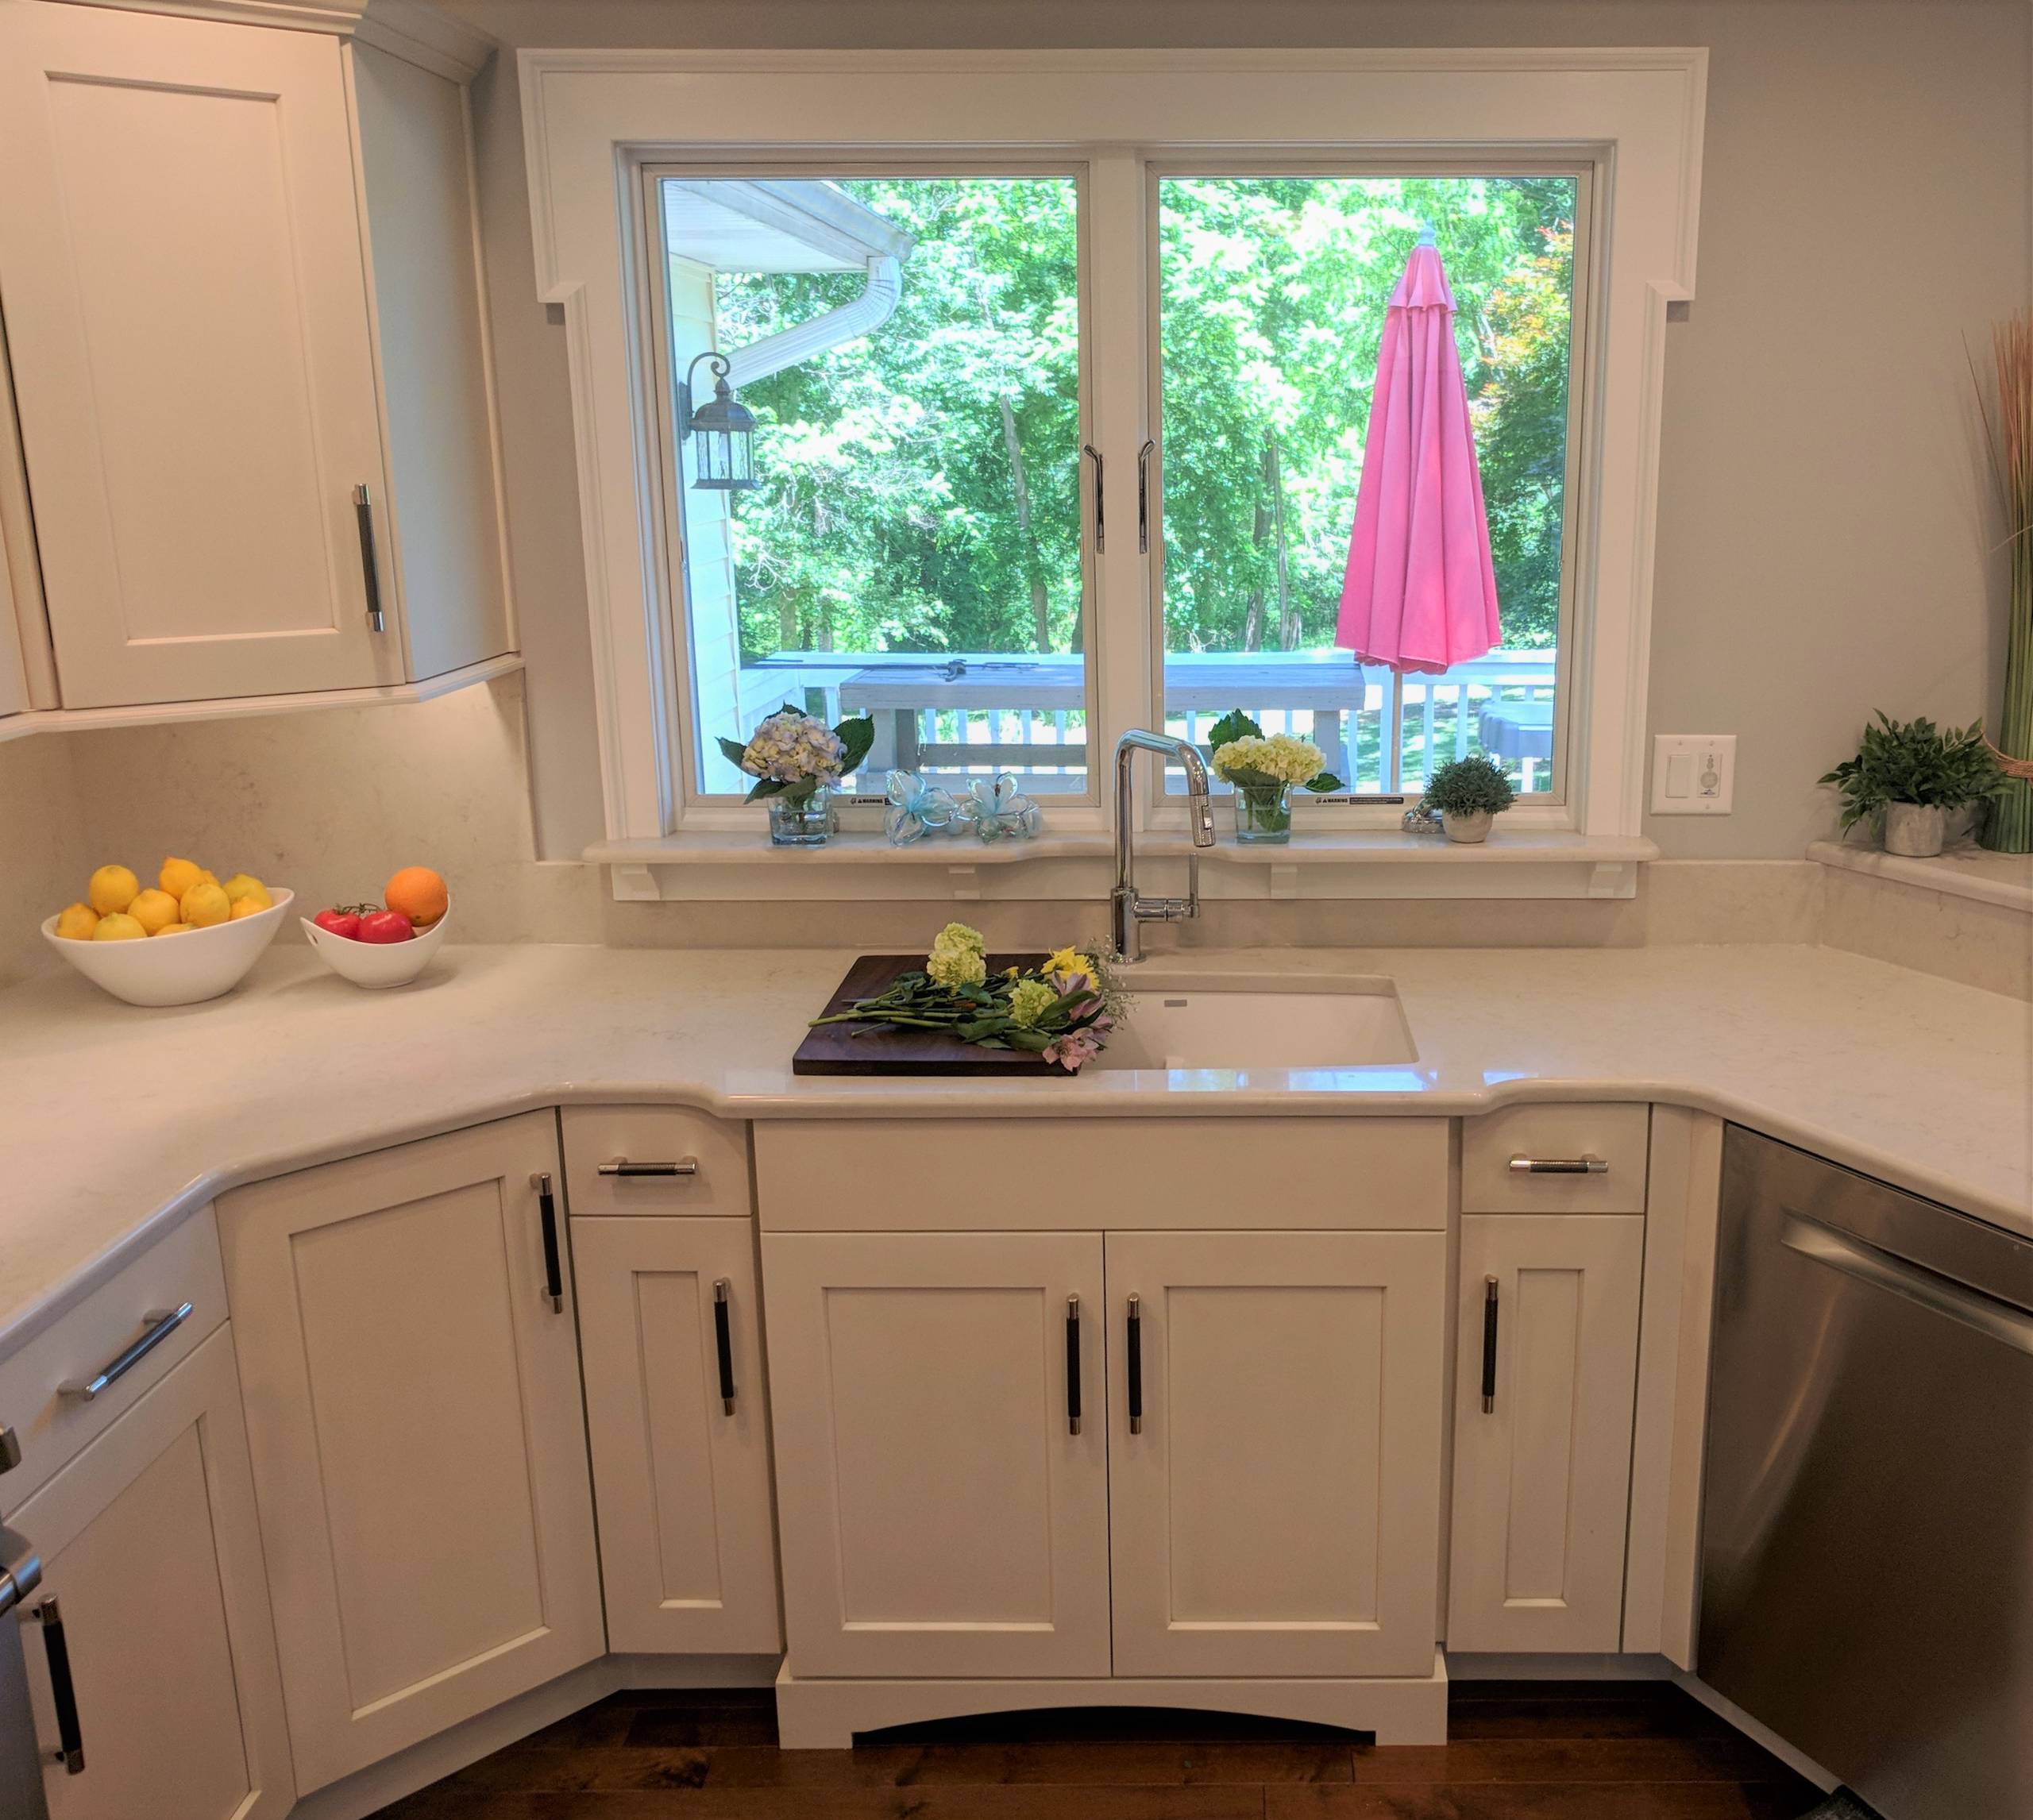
[(21, 1755)]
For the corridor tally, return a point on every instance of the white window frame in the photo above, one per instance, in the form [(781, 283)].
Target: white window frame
[(592, 120)]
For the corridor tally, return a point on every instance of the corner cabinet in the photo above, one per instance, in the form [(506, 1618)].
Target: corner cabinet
[(406, 1330), (242, 301), (152, 1616)]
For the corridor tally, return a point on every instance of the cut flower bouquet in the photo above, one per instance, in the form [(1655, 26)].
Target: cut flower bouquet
[(1062, 1009)]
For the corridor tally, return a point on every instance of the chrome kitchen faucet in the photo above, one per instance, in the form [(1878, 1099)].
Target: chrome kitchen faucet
[(1127, 909)]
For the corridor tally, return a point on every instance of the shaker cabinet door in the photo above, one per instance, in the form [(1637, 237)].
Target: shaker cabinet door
[(677, 1414), (1275, 1490), (1542, 1473), (152, 1565), (939, 1515), (186, 296), (419, 1434)]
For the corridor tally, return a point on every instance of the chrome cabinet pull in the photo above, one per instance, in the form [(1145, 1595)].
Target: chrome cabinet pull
[(1101, 507), (1136, 1361), (363, 512), (1583, 1165), (158, 1325), (724, 1344), (1143, 496), (554, 1266), (621, 1166), (1489, 1345), (70, 1750), (1072, 1364)]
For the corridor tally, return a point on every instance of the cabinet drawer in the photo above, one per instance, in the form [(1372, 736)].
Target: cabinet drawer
[(1615, 1135), (183, 1267), (712, 1153), (1123, 1174)]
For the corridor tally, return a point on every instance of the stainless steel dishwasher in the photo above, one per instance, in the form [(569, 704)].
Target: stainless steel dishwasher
[(1867, 1526)]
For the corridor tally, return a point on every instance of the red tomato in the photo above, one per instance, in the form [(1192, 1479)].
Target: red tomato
[(345, 923), (386, 926)]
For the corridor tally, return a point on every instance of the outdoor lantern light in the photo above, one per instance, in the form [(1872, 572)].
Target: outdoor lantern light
[(725, 460)]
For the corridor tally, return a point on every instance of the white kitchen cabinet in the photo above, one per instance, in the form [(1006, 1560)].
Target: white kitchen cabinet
[(940, 1516), (153, 1560), (679, 1423), (215, 349), (1279, 1512), (405, 1326), (1542, 1473)]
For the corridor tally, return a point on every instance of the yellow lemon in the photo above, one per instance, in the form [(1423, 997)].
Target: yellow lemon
[(112, 888), (175, 929), (152, 909), (119, 927), (76, 921), (247, 906), (244, 887), (206, 876), (205, 905), (178, 876)]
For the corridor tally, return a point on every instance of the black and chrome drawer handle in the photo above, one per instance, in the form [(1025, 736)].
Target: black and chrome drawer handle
[(1072, 1364), (724, 1344), (370, 570), (70, 1750), (623, 1166), (157, 1325), (1583, 1165), (1135, 1352)]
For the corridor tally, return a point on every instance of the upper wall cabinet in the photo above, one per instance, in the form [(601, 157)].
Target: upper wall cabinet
[(243, 309)]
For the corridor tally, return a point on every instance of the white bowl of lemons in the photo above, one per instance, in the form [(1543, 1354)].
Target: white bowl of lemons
[(189, 937)]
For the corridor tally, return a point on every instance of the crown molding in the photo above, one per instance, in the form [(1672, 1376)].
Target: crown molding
[(417, 33)]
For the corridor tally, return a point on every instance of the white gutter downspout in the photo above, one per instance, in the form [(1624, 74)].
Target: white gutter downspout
[(867, 313)]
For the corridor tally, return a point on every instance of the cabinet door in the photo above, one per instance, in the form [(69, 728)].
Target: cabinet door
[(187, 307), (681, 1471), (1542, 1477), (940, 1516), (419, 1438), (153, 1558), (1279, 1514)]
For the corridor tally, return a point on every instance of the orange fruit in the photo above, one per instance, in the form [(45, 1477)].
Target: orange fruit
[(244, 907), (419, 893)]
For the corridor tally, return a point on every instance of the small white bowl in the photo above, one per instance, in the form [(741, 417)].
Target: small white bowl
[(175, 970), (377, 964)]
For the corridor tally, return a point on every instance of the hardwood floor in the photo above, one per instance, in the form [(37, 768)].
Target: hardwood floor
[(1568, 1750)]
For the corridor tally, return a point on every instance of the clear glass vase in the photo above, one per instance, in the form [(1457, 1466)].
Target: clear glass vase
[(803, 821), (1264, 813)]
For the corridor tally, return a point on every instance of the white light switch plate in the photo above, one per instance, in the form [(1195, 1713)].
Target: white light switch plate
[(1693, 774)]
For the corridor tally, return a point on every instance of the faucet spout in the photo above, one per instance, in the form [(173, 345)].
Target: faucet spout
[(1129, 910)]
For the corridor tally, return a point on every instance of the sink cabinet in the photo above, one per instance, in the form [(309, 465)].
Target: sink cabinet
[(419, 1438), (1279, 1512), (1542, 1473)]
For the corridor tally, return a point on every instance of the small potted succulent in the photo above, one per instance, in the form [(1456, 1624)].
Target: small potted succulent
[(1907, 776), (796, 761), (1467, 795), (1263, 772)]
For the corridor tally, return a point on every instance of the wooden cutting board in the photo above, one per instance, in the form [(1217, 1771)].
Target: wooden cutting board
[(835, 1049)]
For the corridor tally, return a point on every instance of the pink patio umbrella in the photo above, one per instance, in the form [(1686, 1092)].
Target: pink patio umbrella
[(1421, 591)]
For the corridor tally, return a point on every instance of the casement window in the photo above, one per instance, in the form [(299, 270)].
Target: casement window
[(1061, 368)]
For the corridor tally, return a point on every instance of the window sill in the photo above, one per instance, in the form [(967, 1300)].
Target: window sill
[(1963, 870), (731, 864)]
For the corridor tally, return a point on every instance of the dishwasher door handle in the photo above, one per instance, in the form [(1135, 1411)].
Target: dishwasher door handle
[(1996, 1319)]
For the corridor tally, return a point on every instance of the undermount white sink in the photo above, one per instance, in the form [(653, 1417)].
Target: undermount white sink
[(1201, 1019)]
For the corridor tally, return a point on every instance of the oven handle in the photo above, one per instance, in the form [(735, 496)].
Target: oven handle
[(1996, 1320)]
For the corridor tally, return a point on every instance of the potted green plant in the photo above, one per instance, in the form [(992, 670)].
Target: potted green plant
[(1906, 777), (1467, 794)]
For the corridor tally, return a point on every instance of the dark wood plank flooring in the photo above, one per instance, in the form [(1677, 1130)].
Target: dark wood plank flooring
[(1564, 1750)]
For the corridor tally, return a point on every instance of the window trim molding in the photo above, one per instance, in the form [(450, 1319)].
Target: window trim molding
[(592, 118)]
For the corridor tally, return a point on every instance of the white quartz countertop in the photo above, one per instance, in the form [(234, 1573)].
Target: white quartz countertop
[(119, 1121)]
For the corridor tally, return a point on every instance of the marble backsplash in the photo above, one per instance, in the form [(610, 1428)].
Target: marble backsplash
[(331, 803)]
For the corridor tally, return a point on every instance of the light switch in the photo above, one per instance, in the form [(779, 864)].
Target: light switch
[(1693, 774)]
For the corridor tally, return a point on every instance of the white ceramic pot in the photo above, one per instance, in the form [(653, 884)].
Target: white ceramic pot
[(377, 964), (1914, 830), (175, 970), (1474, 825)]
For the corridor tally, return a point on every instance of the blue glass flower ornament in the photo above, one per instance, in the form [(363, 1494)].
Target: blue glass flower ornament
[(998, 811), (916, 808)]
